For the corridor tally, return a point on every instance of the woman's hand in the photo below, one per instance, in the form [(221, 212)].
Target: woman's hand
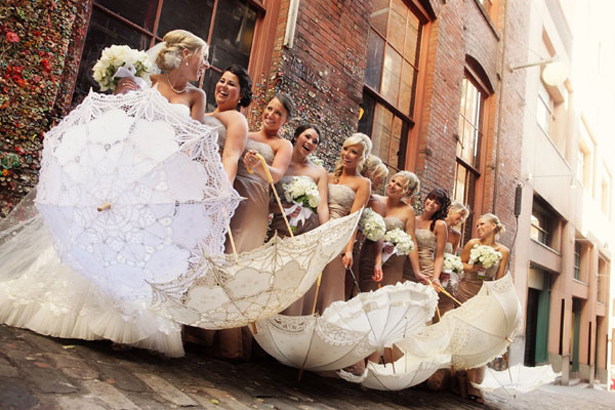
[(378, 274), (388, 249), (435, 282), (126, 84), (251, 159), (347, 259), (424, 279)]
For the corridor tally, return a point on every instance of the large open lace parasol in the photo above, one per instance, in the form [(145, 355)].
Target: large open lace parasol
[(389, 313), (517, 379), (235, 290), (312, 343), (134, 192), (406, 372), (474, 333)]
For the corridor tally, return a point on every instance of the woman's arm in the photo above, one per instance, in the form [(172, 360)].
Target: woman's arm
[(323, 190), (414, 254), (379, 207), (360, 200), (503, 262), (236, 137), (199, 102), (441, 236), (280, 163)]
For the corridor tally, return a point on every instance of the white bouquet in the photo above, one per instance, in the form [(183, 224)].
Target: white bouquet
[(452, 270), (484, 255), (452, 264), (400, 240), (372, 225), (303, 191), (121, 61)]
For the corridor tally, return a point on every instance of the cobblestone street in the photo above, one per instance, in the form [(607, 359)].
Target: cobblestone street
[(37, 372)]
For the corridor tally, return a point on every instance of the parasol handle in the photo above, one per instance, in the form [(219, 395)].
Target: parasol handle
[(315, 299), (450, 296), (390, 349), (275, 193), (437, 308), (232, 241), (104, 207)]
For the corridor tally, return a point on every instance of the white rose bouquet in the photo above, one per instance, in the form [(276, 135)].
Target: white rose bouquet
[(121, 61), (452, 264), (372, 225), (484, 255), (303, 191), (452, 269), (400, 240)]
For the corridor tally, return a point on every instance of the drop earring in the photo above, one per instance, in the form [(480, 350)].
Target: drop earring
[(186, 63)]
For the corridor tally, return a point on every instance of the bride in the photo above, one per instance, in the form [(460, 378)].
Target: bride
[(38, 291)]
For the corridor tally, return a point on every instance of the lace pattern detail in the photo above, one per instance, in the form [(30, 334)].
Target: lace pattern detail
[(161, 173)]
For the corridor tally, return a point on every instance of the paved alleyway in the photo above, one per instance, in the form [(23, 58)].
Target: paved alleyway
[(37, 372)]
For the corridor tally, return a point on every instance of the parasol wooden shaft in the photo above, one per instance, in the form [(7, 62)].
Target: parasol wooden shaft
[(275, 192), (450, 296), (317, 291), (104, 207), (390, 349)]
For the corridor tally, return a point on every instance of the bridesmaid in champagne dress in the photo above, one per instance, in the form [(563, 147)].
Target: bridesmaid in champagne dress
[(377, 172), (488, 227), (233, 90), (457, 214), (249, 224), (397, 214), (348, 192), (305, 141)]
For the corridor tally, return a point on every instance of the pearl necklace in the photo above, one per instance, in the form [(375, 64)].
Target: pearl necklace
[(174, 90)]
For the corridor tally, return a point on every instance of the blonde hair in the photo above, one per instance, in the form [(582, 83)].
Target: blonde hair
[(375, 168), (354, 139), (412, 184), (499, 228), (170, 56), (457, 206)]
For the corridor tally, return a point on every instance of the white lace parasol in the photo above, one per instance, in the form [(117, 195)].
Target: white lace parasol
[(234, 290), (517, 379), (133, 191)]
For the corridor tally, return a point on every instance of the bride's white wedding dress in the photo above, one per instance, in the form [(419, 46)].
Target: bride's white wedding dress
[(46, 288)]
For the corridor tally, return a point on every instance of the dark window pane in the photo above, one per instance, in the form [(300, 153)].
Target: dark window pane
[(194, 16), (233, 34), (366, 121), (375, 54), (413, 35), (103, 31), (210, 78), (140, 12)]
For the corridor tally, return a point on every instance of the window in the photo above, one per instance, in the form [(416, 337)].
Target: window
[(602, 280), (577, 260), (141, 23), (543, 223), (391, 74), (544, 110), (469, 141)]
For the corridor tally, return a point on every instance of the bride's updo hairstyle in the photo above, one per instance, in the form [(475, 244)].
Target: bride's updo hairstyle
[(412, 183), (170, 56), (499, 228), (354, 139)]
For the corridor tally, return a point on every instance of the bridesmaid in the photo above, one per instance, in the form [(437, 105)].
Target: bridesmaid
[(249, 225), (232, 91), (488, 227), (431, 235), (397, 214), (305, 141), (377, 173), (457, 214), (348, 192)]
